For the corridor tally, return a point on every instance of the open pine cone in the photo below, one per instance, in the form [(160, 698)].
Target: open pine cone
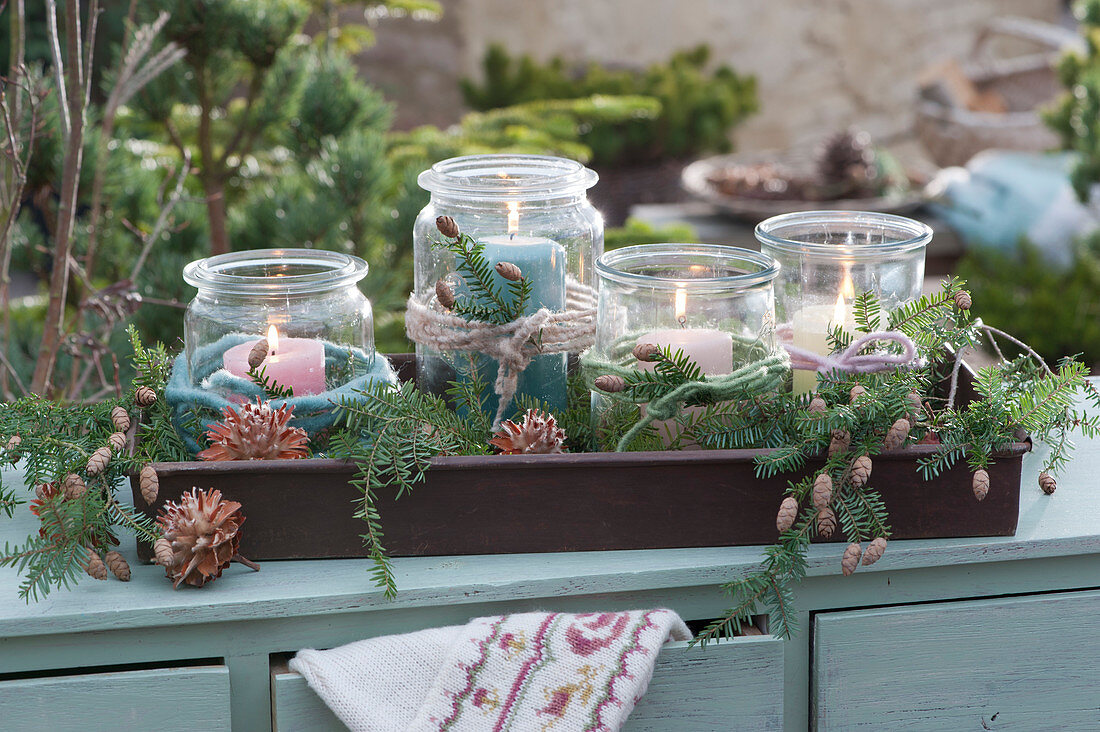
[(204, 532), (256, 432), (846, 160), (539, 434)]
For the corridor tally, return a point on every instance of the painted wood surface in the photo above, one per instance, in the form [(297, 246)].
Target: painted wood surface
[(162, 699), (736, 685), (1026, 664)]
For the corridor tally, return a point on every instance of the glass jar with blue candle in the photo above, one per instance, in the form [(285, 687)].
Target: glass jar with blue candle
[(528, 210)]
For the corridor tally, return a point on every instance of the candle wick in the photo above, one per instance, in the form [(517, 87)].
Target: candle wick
[(512, 236), (682, 320)]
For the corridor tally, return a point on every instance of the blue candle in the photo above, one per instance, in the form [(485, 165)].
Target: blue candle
[(542, 262)]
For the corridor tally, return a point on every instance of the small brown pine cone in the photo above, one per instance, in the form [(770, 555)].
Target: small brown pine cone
[(823, 491), (94, 566), (898, 434), (980, 484), (73, 486), (610, 383), (874, 551), (162, 548), (788, 512), (444, 294), (118, 565), (117, 441), (1047, 483), (145, 397), (97, 463), (258, 353), (120, 418), (817, 405), (447, 226), (44, 491), (12, 448), (861, 471), (962, 300), (856, 392), (509, 271), (646, 352), (826, 522), (915, 405), (851, 558), (150, 484), (839, 443)]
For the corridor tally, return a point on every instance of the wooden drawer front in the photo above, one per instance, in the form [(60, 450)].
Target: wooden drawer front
[(1026, 663), (735, 685), (162, 699)]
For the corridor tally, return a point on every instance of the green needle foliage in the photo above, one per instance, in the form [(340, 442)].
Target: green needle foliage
[(487, 302)]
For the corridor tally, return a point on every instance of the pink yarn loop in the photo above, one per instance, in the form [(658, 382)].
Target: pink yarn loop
[(851, 360)]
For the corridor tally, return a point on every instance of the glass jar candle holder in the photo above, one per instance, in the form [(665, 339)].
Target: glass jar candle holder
[(714, 303), (827, 258), (529, 210)]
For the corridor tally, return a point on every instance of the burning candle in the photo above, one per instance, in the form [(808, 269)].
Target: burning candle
[(810, 327), (298, 363)]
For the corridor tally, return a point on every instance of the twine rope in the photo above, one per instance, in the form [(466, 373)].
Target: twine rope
[(851, 360), (512, 345)]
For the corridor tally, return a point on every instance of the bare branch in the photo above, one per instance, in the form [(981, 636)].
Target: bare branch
[(163, 218)]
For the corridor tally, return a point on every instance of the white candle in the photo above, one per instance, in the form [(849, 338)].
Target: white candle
[(810, 327), (298, 363)]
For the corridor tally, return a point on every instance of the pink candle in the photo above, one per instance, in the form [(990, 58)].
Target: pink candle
[(295, 362)]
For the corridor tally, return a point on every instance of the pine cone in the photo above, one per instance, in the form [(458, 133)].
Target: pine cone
[(898, 434), (856, 393), (117, 441), (73, 487), (447, 226), (255, 432), (823, 491), (610, 383), (145, 397), (916, 406), (963, 300), (118, 565), (12, 448), (874, 551), (509, 271), (120, 418), (846, 159), (203, 532), (150, 483), (94, 566), (980, 484), (840, 442), (851, 558), (861, 471), (538, 435), (826, 522), (258, 353), (817, 405), (1047, 483), (44, 492), (97, 463), (162, 548), (444, 294), (788, 512), (646, 352)]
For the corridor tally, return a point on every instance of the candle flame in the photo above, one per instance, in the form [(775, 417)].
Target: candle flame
[(272, 339), (847, 292), (513, 217), (681, 303)]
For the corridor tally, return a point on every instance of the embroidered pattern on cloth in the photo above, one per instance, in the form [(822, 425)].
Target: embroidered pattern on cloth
[(543, 672)]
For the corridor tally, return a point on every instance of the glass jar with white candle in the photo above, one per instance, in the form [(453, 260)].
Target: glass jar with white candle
[(827, 258), (307, 304), (530, 210), (716, 304)]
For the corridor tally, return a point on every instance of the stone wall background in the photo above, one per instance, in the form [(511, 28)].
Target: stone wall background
[(820, 64)]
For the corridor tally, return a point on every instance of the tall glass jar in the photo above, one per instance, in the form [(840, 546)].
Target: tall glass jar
[(305, 302), (715, 303), (530, 210), (827, 258)]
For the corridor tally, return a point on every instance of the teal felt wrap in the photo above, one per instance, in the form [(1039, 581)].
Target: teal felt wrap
[(210, 392)]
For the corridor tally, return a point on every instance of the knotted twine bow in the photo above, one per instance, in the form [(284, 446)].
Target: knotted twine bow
[(851, 360), (513, 345)]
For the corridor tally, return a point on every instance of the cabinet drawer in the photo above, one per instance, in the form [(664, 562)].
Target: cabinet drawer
[(162, 699), (1025, 663), (734, 685)]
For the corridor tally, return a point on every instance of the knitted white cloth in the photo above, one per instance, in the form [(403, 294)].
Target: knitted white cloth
[(542, 672)]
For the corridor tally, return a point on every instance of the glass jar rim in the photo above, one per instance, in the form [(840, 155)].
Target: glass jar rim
[(504, 177), (909, 234), (759, 267), (330, 270)]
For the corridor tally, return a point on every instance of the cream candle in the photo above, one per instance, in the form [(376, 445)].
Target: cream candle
[(298, 363), (810, 327)]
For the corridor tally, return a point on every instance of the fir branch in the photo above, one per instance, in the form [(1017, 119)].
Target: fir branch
[(271, 388), (486, 302)]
